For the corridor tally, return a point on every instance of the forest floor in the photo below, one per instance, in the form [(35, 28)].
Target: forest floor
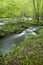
[(28, 52)]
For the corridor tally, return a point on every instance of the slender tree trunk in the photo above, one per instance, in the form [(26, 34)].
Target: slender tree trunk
[(36, 9)]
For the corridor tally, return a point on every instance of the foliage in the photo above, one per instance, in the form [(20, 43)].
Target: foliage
[(37, 4), (28, 52), (17, 27), (21, 8)]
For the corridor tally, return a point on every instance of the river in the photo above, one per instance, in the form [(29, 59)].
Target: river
[(6, 42)]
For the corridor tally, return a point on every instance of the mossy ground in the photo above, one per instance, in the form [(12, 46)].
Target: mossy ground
[(28, 52), (13, 28)]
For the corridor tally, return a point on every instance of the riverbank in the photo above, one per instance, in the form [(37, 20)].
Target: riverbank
[(27, 52), (30, 51), (18, 27)]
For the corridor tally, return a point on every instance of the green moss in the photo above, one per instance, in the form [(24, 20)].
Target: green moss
[(17, 27), (28, 52)]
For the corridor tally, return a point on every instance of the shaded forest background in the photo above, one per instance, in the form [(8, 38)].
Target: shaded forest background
[(21, 8)]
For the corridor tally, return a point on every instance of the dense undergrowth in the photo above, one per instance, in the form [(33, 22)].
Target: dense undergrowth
[(28, 52), (13, 28)]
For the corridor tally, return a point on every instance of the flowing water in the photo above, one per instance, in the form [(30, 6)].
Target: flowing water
[(6, 42)]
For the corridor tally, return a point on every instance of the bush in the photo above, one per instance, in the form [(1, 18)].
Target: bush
[(28, 52)]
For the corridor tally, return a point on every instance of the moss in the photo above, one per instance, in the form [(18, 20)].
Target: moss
[(13, 28), (28, 52)]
